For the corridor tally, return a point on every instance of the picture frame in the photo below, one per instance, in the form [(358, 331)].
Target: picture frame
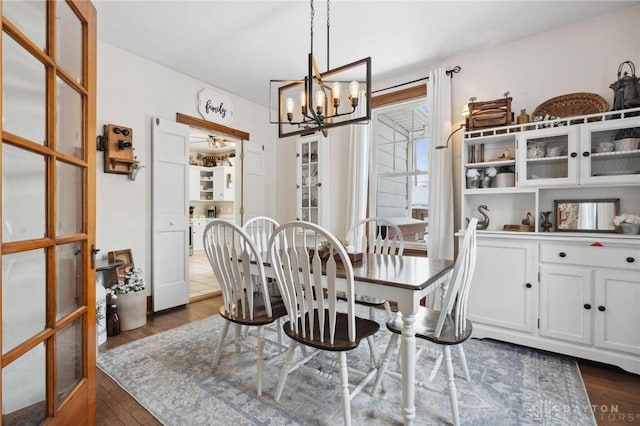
[(589, 215), (124, 256)]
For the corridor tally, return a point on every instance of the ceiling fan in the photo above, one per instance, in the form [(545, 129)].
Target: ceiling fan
[(215, 143)]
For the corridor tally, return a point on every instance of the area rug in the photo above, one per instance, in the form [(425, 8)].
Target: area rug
[(170, 374)]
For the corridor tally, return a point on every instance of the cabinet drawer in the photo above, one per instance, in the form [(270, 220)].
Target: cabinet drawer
[(608, 257)]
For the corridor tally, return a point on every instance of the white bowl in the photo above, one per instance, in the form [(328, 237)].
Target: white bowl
[(627, 144), (605, 147)]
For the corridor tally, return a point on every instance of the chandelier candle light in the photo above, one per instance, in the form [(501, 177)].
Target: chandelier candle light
[(321, 94)]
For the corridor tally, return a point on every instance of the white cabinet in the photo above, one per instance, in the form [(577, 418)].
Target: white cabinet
[(548, 157), (566, 303), (312, 185), (617, 317), (598, 164), (211, 183), (197, 232), (590, 296), (576, 293), (223, 183), (504, 287), (200, 183)]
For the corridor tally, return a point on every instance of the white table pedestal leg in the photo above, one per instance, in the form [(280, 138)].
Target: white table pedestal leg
[(408, 351)]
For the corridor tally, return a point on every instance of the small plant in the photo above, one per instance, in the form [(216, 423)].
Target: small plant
[(133, 282), (491, 171), (473, 173), (626, 218)]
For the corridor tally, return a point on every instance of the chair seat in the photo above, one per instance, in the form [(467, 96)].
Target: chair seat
[(260, 317), (364, 329), (425, 326)]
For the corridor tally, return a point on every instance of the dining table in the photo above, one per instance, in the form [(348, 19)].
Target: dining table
[(405, 280)]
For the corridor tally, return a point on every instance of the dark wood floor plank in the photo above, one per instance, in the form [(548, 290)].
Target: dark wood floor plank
[(609, 388)]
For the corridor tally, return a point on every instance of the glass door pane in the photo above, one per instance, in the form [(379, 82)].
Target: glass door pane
[(30, 17), (23, 194), (23, 92), (69, 120), (69, 41)]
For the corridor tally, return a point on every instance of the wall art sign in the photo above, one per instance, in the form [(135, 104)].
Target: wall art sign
[(215, 107)]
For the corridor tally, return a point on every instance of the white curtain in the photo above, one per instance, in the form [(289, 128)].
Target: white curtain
[(440, 241), (358, 179)]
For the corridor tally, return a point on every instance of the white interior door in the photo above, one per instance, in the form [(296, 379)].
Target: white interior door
[(170, 217), (253, 183)]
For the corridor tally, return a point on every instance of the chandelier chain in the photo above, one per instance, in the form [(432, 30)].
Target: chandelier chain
[(313, 12), (328, 67)]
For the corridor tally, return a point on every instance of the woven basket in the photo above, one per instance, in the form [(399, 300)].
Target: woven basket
[(572, 105)]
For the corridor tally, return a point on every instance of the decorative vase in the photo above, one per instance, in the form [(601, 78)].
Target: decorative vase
[(132, 309), (486, 182), (630, 228), (473, 182), (546, 223), (523, 117)]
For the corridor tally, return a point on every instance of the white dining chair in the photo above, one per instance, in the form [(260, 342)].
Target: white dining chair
[(308, 285), (448, 326), (246, 298), (381, 236), (259, 229)]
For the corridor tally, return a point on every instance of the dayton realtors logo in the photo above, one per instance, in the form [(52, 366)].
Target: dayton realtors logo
[(215, 107)]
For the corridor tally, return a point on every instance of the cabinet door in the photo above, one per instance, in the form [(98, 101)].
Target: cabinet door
[(548, 157), (503, 290), (198, 232), (312, 182), (194, 183), (223, 183), (617, 311), (566, 303), (610, 153)]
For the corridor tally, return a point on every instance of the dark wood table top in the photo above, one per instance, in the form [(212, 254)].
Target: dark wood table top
[(410, 272)]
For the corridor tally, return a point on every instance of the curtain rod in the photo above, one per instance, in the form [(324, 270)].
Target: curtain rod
[(450, 73)]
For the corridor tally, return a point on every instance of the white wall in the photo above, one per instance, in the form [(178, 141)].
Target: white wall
[(579, 58), (132, 90)]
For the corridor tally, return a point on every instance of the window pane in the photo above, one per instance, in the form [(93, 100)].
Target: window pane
[(69, 190), (421, 154), (393, 197), (23, 285), (30, 17), (401, 168), (69, 278), (23, 92), (69, 40), (23, 194), (393, 156), (68, 359), (69, 120), (24, 401)]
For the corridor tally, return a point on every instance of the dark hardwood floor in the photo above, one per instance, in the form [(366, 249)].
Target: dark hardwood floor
[(614, 393)]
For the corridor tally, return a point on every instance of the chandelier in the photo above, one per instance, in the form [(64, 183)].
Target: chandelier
[(327, 99)]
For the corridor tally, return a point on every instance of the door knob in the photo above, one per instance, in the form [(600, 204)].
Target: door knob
[(171, 223)]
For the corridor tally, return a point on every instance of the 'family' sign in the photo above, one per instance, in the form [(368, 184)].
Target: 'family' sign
[(215, 107)]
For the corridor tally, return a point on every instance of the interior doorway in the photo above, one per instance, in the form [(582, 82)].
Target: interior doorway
[(216, 181)]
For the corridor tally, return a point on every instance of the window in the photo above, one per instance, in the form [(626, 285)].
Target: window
[(399, 169)]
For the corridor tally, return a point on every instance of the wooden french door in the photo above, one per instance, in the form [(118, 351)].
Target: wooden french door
[(48, 156)]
